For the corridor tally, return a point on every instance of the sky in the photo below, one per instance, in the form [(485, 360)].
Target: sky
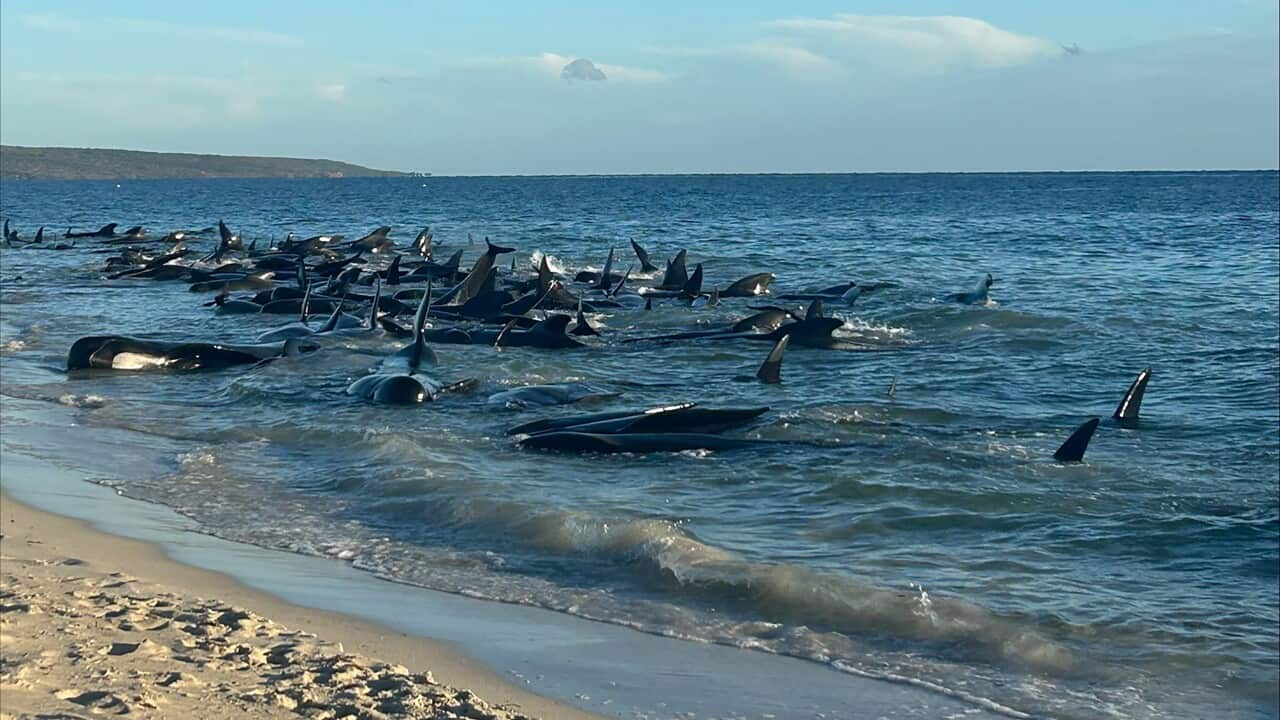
[(559, 87)]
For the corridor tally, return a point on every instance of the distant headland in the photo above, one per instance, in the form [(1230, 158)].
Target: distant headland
[(60, 163)]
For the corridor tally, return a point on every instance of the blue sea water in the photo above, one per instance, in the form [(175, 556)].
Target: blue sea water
[(925, 538)]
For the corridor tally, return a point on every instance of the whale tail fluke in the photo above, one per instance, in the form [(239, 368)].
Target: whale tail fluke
[(1073, 449), (497, 249), (645, 264)]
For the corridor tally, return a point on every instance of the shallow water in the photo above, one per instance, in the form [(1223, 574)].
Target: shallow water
[(928, 537)]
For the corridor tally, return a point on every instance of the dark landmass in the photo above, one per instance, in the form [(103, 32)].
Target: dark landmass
[(57, 163)]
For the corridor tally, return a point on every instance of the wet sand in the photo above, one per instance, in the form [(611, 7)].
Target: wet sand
[(93, 624)]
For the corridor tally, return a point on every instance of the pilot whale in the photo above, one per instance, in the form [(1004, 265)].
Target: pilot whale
[(116, 352), (980, 295)]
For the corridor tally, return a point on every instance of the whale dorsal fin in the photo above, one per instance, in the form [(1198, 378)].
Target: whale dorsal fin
[(1073, 449), (625, 276), (676, 275), (693, 286), (544, 275), (814, 311), (604, 274), (306, 306), (1131, 404), (419, 346), (770, 371), (377, 298), (851, 295), (582, 326), (454, 261), (393, 272), (332, 323)]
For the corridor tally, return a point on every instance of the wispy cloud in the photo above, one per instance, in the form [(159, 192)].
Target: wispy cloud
[(843, 46), (120, 26), (333, 92), (913, 42)]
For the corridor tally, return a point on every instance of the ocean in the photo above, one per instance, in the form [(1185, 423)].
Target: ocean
[(926, 537)]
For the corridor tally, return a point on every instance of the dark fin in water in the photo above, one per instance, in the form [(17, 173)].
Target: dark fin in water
[(676, 275), (454, 261), (393, 272), (302, 272), (545, 277), (497, 249), (648, 303), (693, 286), (626, 276), (814, 311), (582, 327), (770, 372), (377, 298), (40, 235), (1073, 449), (306, 306), (645, 264), (253, 245), (502, 335), (602, 283), (893, 387), (419, 330), (1128, 409), (332, 323)]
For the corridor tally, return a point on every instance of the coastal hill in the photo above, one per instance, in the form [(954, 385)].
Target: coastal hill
[(59, 163)]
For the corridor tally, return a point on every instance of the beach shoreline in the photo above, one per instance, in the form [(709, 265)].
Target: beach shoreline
[(116, 605)]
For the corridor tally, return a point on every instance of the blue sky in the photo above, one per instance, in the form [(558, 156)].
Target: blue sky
[(478, 87)]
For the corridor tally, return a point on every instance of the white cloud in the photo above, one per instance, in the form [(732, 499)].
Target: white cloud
[(117, 26), (552, 65), (333, 92), (913, 43), (583, 69)]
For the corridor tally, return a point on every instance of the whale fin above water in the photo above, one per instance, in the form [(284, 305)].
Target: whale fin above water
[(332, 323), (617, 289), (1073, 449), (1129, 407), (645, 264), (676, 275), (814, 310), (419, 349), (377, 298), (770, 372), (693, 286), (582, 326), (602, 283), (306, 306)]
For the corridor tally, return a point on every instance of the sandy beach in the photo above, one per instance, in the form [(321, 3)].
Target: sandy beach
[(92, 624)]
